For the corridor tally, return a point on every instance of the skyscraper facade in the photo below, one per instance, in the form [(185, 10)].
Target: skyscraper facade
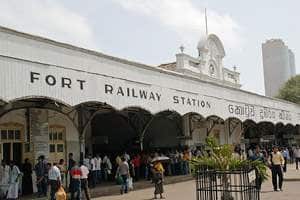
[(279, 65)]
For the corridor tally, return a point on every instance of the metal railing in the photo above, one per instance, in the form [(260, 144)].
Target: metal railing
[(226, 185)]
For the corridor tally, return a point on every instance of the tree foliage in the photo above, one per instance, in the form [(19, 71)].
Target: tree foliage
[(291, 90), (221, 157)]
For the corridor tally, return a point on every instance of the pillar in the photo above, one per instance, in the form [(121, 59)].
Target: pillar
[(39, 132)]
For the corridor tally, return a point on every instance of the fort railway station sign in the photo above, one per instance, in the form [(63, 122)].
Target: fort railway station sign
[(36, 67)]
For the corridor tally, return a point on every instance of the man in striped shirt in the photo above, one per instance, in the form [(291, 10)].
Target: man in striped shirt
[(76, 186)]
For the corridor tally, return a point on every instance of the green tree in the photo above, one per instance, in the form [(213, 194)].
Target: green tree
[(291, 90)]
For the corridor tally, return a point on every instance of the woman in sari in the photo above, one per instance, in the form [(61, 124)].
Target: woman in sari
[(158, 177)]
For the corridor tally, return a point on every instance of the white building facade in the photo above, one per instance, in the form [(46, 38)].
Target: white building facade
[(51, 91)]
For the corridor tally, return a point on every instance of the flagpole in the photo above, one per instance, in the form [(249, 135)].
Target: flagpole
[(206, 22)]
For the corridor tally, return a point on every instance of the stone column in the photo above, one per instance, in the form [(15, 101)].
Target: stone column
[(39, 132), (186, 130)]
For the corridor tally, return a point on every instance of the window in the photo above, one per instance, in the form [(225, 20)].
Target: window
[(56, 143), (60, 148), (52, 148), (3, 134), (60, 136), (55, 136), (211, 69), (11, 134), (17, 135)]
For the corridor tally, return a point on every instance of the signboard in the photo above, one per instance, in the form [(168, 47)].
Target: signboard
[(40, 132), (268, 137), (264, 140), (180, 94), (288, 136), (251, 176), (245, 141)]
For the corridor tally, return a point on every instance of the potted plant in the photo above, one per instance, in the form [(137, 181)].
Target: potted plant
[(221, 158)]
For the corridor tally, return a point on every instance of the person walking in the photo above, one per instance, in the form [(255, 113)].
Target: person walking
[(107, 167), (4, 179), (76, 185), (87, 163), (94, 172), (123, 171), (13, 188), (136, 161), (286, 156), (27, 178), (54, 177), (84, 180), (297, 156), (258, 155), (62, 168), (71, 163), (276, 161), (98, 162), (41, 174), (158, 177)]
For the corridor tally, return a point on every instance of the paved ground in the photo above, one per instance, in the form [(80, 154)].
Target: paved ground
[(186, 190)]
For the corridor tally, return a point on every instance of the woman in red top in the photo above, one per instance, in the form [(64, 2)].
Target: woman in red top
[(75, 184), (136, 161)]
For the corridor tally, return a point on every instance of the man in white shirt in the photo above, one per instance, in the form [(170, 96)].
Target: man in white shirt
[(107, 167), (54, 180), (98, 161), (87, 162), (84, 180), (4, 178)]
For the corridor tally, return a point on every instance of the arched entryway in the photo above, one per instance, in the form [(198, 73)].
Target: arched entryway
[(163, 131), (38, 126)]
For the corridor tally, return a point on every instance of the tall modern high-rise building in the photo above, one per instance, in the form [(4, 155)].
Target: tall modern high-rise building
[(279, 65)]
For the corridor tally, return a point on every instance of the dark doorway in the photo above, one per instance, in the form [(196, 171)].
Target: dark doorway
[(12, 151), (6, 152), (112, 133), (17, 153), (164, 131)]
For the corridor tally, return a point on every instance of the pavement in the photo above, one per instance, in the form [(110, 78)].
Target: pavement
[(292, 174), (183, 187), (186, 190), (108, 189)]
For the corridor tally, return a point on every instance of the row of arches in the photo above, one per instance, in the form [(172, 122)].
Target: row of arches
[(102, 128)]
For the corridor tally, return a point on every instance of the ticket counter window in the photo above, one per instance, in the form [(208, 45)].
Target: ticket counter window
[(57, 135), (11, 142)]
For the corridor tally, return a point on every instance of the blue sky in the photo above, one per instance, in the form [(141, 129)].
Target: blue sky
[(151, 31)]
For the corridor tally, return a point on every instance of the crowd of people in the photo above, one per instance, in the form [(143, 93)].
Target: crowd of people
[(276, 158), (78, 177), (124, 168)]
